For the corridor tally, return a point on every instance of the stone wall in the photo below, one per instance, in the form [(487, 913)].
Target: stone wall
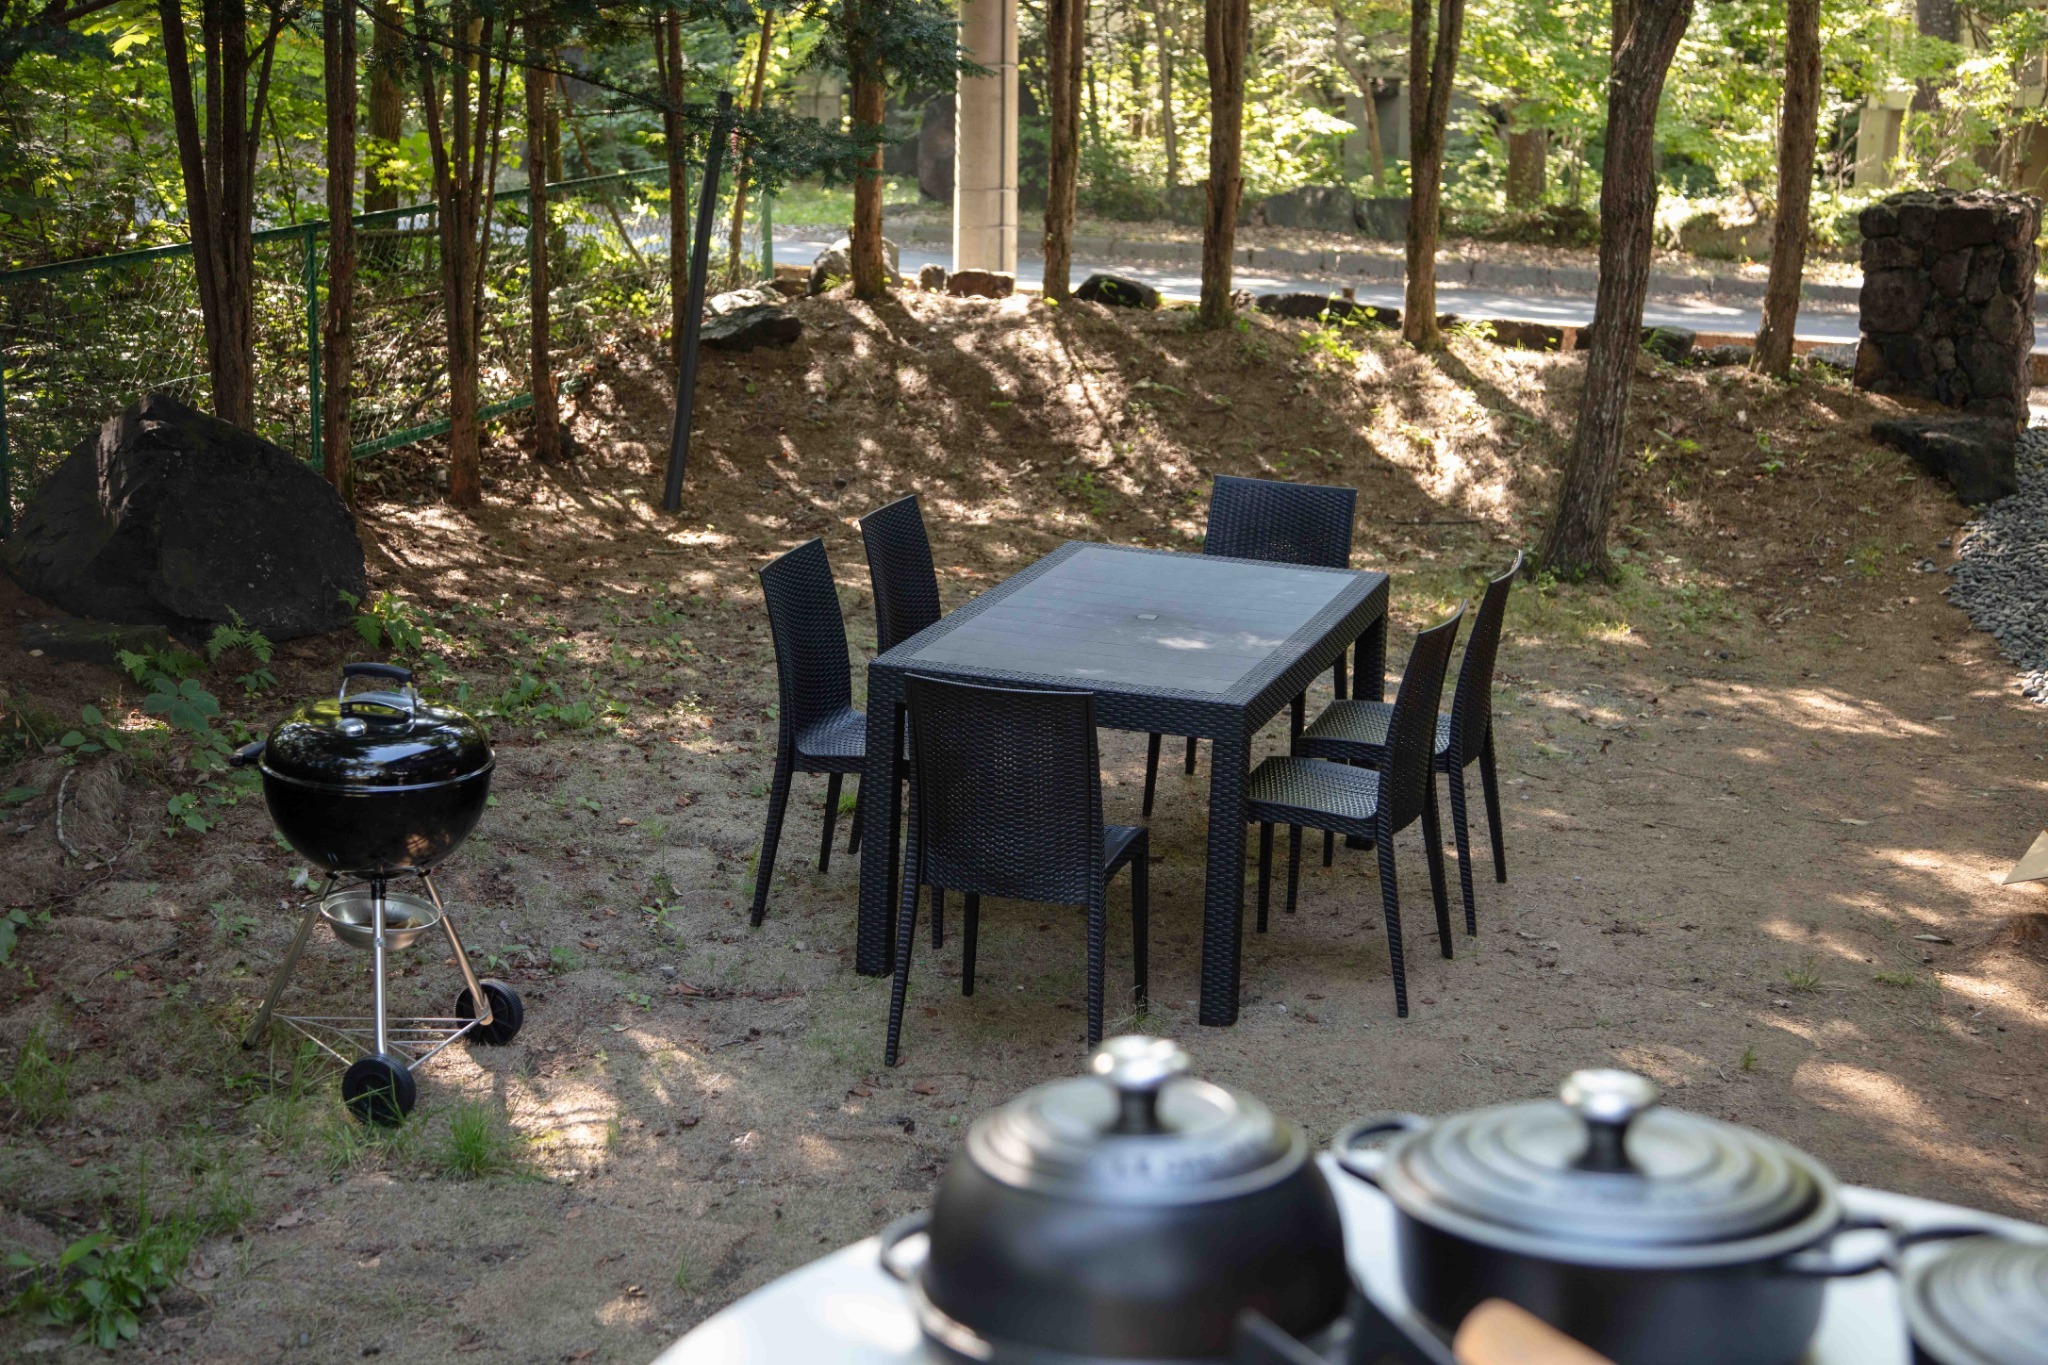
[(1948, 299)]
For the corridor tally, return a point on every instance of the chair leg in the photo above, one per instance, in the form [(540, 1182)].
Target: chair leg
[(1098, 925), (1191, 754), (1141, 914), (906, 939), (938, 917), (1329, 847), (1462, 833), (1337, 679), (1491, 787), (1390, 904), (778, 802), (832, 784), (1151, 771), (1293, 864), (1433, 847), (853, 839), (969, 934), (1265, 869)]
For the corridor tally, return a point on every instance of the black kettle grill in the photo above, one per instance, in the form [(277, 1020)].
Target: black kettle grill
[(371, 788)]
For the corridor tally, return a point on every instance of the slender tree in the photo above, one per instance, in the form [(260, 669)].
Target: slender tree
[(864, 39), (1798, 134), (1368, 88), (1528, 150), (668, 63), (462, 103), (1226, 28), (1163, 19), (1645, 42), (338, 342), (387, 102), (547, 414), (755, 97), (218, 162), (1066, 35), (1430, 71)]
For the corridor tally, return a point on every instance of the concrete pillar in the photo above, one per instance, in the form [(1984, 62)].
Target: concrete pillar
[(985, 140)]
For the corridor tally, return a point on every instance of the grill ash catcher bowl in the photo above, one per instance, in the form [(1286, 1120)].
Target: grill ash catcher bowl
[(375, 789)]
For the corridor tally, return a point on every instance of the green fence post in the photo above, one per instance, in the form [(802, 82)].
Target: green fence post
[(311, 282), (767, 236)]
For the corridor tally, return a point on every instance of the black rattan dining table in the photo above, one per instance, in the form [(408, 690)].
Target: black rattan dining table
[(1173, 643)]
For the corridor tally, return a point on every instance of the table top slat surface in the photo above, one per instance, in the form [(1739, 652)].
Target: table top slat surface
[(1115, 616)]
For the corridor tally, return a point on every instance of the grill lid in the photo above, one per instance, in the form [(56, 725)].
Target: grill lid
[(378, 740), (1981, 1301), (1138, 1131), (1603, 1167)]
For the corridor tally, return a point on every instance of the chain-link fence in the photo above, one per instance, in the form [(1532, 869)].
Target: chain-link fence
[(81, 340)]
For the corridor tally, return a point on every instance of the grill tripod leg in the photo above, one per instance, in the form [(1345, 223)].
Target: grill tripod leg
[(478, 1000), (377, 949), (284, 974)]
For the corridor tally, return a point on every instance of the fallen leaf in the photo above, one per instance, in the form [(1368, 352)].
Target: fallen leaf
[(861, 1092), (473, 1342), (288, 1220), (634, 1291), (584, 1354), (1847, 821), (924, 1088), (590, 943), (1933, 938), (627, 820)]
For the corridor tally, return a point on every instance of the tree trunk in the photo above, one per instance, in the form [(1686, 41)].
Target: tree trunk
[(337, 354), (465, 156), (1799, 130), (1429, 111), (1065, 34), (1226, 27), (739, 181), (547, 414), (1577, 541), (870, 271), (1528, 150), (668, 61), (1169, 128), (387, 101), (1375, 146), (1368, 88), (218, 163)]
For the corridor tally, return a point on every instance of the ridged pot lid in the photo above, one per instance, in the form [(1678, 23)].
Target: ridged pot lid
[(1603, 1166), (1981, 1301), (1138, 1131), (375, 739)]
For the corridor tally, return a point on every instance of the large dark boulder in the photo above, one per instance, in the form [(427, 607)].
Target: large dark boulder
[(1975, 454), (1116, 291), (1330, 306), (170, 517), (746, 318)]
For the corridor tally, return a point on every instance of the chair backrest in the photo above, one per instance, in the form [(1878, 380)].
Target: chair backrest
[(1287, 523), (900, 567), (811, 670), (1472, 703), (1411, 735), (1007, 789)]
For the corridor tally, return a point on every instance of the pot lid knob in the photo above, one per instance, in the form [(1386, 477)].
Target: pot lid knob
[(1607, 1101), (1139, 1068)]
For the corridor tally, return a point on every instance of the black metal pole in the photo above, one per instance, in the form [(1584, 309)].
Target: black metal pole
[(693, 313)]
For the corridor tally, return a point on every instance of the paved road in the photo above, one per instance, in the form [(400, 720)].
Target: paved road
[(1558, 309)]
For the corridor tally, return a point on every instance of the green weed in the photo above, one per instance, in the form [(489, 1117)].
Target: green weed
[(39, 1090), (101, 1285), (478, 1144), (1748, 1061), (1805, 976)]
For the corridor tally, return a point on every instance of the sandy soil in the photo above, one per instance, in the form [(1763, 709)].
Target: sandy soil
[(1758, 798)]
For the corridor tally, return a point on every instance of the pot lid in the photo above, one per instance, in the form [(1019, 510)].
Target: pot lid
[(1603, 1167), (1138, 1130), (375, 739), (1981, 1301)]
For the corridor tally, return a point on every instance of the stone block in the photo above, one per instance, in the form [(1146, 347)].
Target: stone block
[(1877, 221), (1908, 358), (1871, 368), (1961, 224), (1949, 273), (2000, 319), (932, 278), (981, 284), (1889, 253), (1893, 299), (1975, 455), (1116, 291), (72, 640), (1982, 282)]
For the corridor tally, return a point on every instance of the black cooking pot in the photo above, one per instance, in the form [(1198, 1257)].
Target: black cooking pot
[(374, 784), (1653, 1236), (1127, 1216), (1977, 1301)]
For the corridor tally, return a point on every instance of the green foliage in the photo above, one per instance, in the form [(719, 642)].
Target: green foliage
[(39, 1090), (12, 922), (478, 1144), (101, 1285), (236, 638)]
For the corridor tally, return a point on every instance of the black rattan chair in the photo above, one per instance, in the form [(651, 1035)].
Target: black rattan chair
[(900, 567), (1366, 803), (1286, 523), (1356, 732), (1006, 800), (817, 730)]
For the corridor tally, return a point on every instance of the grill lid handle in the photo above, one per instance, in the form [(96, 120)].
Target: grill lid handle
[(373, 670)]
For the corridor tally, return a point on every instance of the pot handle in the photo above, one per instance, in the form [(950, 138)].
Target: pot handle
[(389, 672), (893, 1236), (247, 754), (1818, 1261), (1358, 1159)]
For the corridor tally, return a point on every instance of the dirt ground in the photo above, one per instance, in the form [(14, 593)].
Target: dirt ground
[(1758, 799)]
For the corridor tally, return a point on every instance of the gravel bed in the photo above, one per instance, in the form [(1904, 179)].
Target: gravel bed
[(2001, 569)]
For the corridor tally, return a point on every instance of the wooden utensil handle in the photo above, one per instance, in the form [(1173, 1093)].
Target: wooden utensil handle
[(1499, 1333)]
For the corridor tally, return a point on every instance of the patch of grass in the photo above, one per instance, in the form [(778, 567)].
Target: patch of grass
[(562, 959), (101, 1285), (39, 1090), (685, 1277), (1805, 976), (477, 1145), (1748, 1060)]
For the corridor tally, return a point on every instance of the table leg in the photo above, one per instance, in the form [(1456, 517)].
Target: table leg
[(1223, 898), (881, 808), (1371, 680)]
